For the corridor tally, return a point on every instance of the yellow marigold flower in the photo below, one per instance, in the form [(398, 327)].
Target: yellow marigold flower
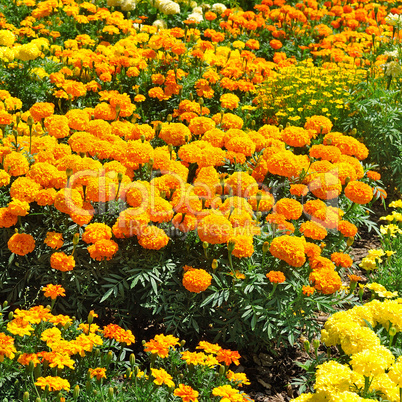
[(68, 200), (7, 38), (196, 280), (27, 52), (41, 110), (372, 362), (239, 378), (53, 291), (213, 348), (99, 373), (228, 393), (295, 136), (276, 276), (21, 243), (162, 377), (51, 335), (215, 229), (53, 383), (333, 377), (200, 125), (20, 326)]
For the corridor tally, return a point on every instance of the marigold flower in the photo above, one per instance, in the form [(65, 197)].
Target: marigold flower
[(276, 276), (196, 280), (308, 290), (373, 175), (313, 230), (289, 249), (243, 245), (103, 249), (162, 377), (299, 190), (289, 208), (19, 208), (228, 357), (275, 44), (41, 110), (62, 262), (229, 101), (319, 124), (359, 192), (295, 136), (21, 244), (7, 347), (119, 334), (99, 373), (200, 125), (96, 231), (342, 260), (372, 362), (215, 229), (16, 164), (53, 291), (53, 383), (185, 392), (347, 229), (228, 393), (327, 281), (68, 200)]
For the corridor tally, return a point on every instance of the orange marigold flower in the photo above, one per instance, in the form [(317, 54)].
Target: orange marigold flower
[(355, 278), (289, 208), (228, 120), (308, 290), (7, 219), (243, 246), (373, 175), (97, 231), (45, 196), (313, 230), (342, 260), (275, 44), (68, 200), (196, 280), (229, 101), (19, 208), (53, 383), (62, 262), (41, 110), (53, 291), (175, 133), (325, 152), (347, 229), (21, 244), (215, 229), (103, 249), (325, 186), (276, 276), (312, 250), (326, 281), (319, 124), (289, 249), (200, 125), (295, 136), (15, 164), (185, 392), (299, 190), (359, 192), (7, 347), (54, 240), (4, 178), (228, 357), (153, 238), (99, 372)]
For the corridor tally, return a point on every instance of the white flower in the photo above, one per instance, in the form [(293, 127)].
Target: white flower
[(218, 8), (197, 10), (195, 17), (160, 23), (393, 19), (393, 68), (128, 5), (170, 8)]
